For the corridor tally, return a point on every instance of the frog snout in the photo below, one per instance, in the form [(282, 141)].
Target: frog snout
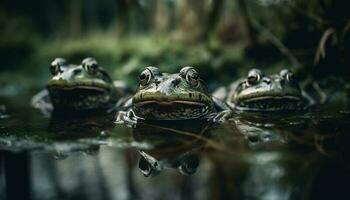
[(175, 81), (278, 84), (267, 80)]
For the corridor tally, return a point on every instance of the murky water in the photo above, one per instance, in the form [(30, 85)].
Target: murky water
[(300, 156)]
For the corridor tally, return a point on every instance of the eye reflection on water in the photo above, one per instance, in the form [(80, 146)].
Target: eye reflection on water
[(303, 156)]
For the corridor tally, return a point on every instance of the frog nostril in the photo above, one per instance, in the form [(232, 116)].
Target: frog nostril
[(176, 81), (77, 72), (157, 82), (267, 81)]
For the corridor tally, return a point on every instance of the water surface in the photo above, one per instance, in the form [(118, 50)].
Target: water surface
[(299, 156)]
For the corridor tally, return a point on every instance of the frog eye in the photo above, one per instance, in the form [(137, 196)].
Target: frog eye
[(54, 69), (90, 65), (189, 165), (254, 76), (190, 74), (287, 74), (154, 70), (192, 77), (145, 77), (145, 167), (56, 65)]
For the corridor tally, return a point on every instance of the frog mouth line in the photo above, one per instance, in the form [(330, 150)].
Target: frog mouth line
[(270, 103), (171, 110), (91, 85), (273, 98), (77, 88), (170, 103)]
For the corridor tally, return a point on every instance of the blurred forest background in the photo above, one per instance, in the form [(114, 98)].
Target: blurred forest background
[(222, 38)]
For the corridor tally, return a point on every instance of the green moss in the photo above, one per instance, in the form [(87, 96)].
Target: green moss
[(126, 58)]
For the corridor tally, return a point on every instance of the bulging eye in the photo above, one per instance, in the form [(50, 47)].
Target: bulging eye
[(254, 76), (145, 167), (91, 68), (54, 69), (191, 75), (56, 65), (189, 165), (287, 74), (145, 77), (90, 65)]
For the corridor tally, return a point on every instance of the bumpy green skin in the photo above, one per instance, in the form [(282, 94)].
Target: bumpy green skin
[(78, 87), (278, 92), (179, 96)]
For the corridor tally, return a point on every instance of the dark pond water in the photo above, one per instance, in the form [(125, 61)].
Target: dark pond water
[(303, 156)]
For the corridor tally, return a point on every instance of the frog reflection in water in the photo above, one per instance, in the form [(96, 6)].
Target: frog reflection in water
[(179, 96), (169, 148), (151, 163), (258, 92), (79, 87)]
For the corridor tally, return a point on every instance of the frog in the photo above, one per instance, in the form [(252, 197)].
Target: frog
[(151, 163), (266, 93), (169, 148), (170, 97), (76, 88)]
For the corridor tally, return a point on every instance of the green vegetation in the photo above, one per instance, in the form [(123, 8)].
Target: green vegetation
[(224, 38), (126, 57)]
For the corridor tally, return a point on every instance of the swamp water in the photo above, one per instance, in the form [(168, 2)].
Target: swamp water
[(303, 156)]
